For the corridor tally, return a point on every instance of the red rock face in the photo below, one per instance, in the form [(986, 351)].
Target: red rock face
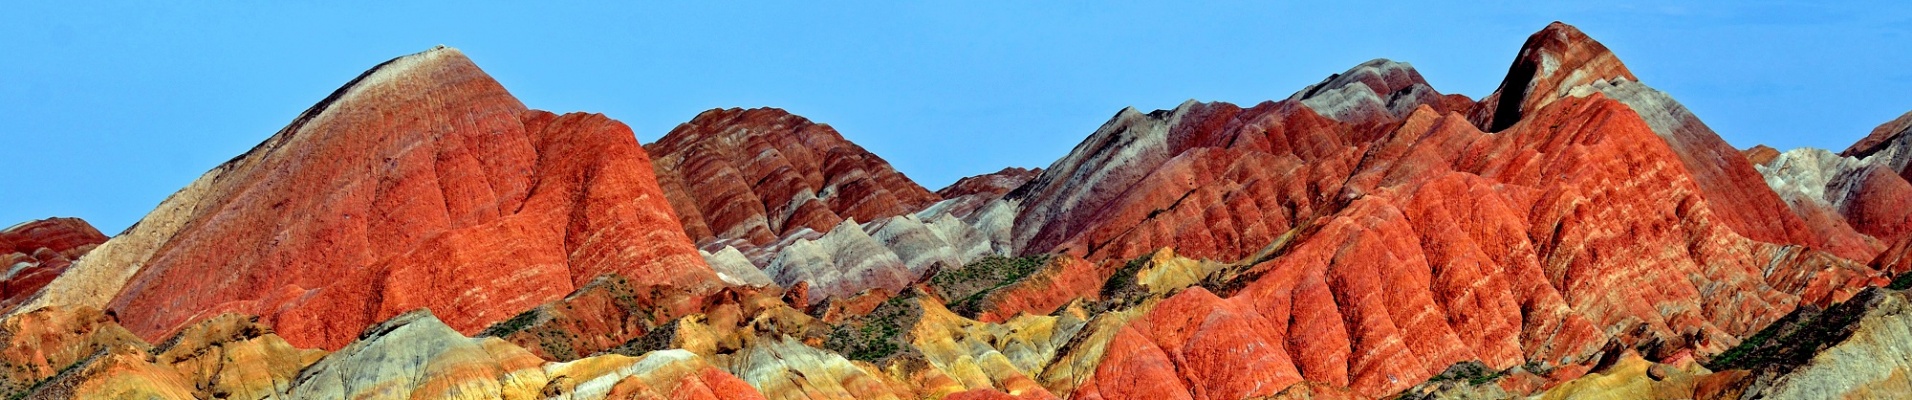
[(1760, 154), (1882, 204), (35, 252), (421, 184), (1598, 212), (1356, 238), (761, 174), (1882, 138), (1552, 62), (994, 183)]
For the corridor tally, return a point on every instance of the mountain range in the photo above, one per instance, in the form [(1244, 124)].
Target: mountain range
[(421, 234)]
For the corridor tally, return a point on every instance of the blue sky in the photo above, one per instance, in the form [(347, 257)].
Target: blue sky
[(107, 109)]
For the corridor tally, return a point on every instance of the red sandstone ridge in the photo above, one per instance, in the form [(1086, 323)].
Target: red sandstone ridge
[(762, 174), (1891, 142), (1551, 62), (422, 183), (1560, 59), (1599, 211), (37, 251), (1862, 191), (994, 183)]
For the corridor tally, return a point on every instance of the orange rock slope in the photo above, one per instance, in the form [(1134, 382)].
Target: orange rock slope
[(1598, 212), (422, 183)]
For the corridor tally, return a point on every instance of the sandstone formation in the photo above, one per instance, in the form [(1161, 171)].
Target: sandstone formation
[(761, 174), (801, 204), (995, 183), (1863, 190), (225, 357), (1852, 350), (1518, 247), (36, 252), (1891, 143), (1575, 234), (420, 184), (417, 356)]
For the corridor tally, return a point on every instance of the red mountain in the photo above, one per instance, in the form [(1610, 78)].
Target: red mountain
[(36, 252), (757, 175), (422, 183), (1575, 233), (1598, 212)]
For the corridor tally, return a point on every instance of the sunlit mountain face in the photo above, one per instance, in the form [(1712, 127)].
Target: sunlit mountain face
[(420, 233)]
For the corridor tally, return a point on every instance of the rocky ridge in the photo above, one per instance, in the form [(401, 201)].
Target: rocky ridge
[(1574, 234), (421, 173), (39, 251)]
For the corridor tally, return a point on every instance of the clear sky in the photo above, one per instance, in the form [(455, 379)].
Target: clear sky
[(107, 109)]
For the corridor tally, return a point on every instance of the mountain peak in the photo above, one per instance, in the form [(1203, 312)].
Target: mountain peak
[(1882, 137), (1550, 64), (764, 173), (421, 172), (1376, 90)]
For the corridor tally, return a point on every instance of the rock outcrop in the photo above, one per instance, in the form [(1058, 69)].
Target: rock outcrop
[(762, 174), (422, 183), (1426, 241), (225, 357), (819, 209), (994, 184), (36, 252), (1890, 143), (417, 356), (1575, 234)]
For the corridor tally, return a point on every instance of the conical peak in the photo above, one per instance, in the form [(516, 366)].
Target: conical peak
[(1550, 64), (428, 64), (433, 68)]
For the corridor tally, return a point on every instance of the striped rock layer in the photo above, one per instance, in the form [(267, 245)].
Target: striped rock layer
[(422, 183), (421, 234)]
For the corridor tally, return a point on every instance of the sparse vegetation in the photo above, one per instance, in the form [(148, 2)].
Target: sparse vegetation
[(1902, 282), (1793, 340), (1121, 287), (656, 339), (966, 287), (878, 335), (510, 326), (1467, 373)]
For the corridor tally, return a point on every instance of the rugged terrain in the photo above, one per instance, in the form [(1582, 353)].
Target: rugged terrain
[(420, 233)]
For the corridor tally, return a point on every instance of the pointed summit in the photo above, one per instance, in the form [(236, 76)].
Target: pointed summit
[(1549, 65)]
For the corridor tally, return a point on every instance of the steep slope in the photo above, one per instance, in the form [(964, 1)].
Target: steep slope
[(796, 202), (1576, 234), (1862, 190), (1850, 195), (422, 183), (36, 252), (1598, 212), (761, 174), (994, 183), (228, 356), (1891, 143)]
